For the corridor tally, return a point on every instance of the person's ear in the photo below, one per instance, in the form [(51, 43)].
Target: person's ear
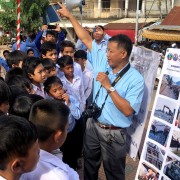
[(14, 65), (17, 166), (123, 54), (43, 56), (30, 76), (57, 136)]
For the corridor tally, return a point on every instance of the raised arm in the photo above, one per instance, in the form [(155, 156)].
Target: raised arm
[(80, 31)]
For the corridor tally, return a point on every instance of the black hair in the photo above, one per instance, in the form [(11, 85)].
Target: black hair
[(64, 61), (13, 72), (49, 116), (30, 50), (80, 54), (123, 41), (49, 81), (66, 43), (101, 27), (15, 57), (5, 93), (17, 137), (47, 46), (22, 105), (51, 32), (6, 51), (20, 82), (30, 65), (48, 63)]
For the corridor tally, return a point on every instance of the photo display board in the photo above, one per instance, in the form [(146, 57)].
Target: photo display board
[(160, 158)]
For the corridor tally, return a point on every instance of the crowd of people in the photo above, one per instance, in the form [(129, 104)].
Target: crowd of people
[(60, 101)]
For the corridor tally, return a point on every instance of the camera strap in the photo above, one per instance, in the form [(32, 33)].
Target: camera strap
[(119, 76)]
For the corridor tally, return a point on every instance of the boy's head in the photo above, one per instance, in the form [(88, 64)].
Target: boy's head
[(22, 105), (98, 33), (6, 53), (19, 149), (51, 120), (67, 48), (66, 65), (22, 83), (54, 87), (34, 70), (80, 57), (30, 52), (5, 96), (49, 67), (50, 36), (48, 50), (16, 58)]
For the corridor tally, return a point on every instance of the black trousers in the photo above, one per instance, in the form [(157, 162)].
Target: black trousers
[(104, 145), (72, 147)]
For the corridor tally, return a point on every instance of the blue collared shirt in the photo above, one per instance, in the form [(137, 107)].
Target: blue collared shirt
[(23, 47), (4, 64), (129, 87)]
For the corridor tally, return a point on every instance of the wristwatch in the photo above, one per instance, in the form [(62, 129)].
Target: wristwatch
[(111, 89)]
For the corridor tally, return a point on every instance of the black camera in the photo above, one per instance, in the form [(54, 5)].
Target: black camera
[(93, 111)]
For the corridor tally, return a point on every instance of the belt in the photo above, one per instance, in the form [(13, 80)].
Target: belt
[(103, 126)]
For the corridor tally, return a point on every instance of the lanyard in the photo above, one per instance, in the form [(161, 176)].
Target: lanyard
[(120, 75)]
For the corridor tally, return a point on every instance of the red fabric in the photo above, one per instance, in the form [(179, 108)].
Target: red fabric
[(129, 33)]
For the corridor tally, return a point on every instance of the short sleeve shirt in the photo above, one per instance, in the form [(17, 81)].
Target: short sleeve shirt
[(129, 87)]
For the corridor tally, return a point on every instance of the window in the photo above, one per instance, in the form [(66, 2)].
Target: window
[(106, 4)]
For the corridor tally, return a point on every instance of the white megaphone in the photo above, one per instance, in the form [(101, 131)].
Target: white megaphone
[(71, 4)]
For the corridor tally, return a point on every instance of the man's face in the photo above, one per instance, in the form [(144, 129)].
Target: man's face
[(98, 34), (68, 70), (51, 55), (68, 51), (50, 37), (39, 75), (115, 54)]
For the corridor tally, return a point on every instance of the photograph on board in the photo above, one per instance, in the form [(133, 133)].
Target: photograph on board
[(170, 86), (147, 173), (172, 168), (165, 110), (154, 155), (159, 132), (175, 143), (177, 122)]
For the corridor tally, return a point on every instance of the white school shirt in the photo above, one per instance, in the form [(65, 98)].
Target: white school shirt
[(50, 167), (76, 89), (39, 91), (1, 178), (88, 82)]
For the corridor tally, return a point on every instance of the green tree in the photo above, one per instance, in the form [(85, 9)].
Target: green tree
[(8, 15), (31, 13)]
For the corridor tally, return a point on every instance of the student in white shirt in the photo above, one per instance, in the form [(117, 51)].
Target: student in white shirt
[(54, 88), (71, 81), (68, 48), (19, 148), (51, 120), (34, 70), (80, 57)]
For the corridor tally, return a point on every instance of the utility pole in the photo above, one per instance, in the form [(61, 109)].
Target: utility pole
[(137, 19)]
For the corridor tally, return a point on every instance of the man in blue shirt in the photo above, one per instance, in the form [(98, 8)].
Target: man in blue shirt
[(105, 136)]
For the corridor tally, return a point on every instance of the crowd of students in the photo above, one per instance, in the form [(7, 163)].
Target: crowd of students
[(46, 87)]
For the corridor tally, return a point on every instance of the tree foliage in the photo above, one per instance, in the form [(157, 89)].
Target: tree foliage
[(8, 15), (31, 13)]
